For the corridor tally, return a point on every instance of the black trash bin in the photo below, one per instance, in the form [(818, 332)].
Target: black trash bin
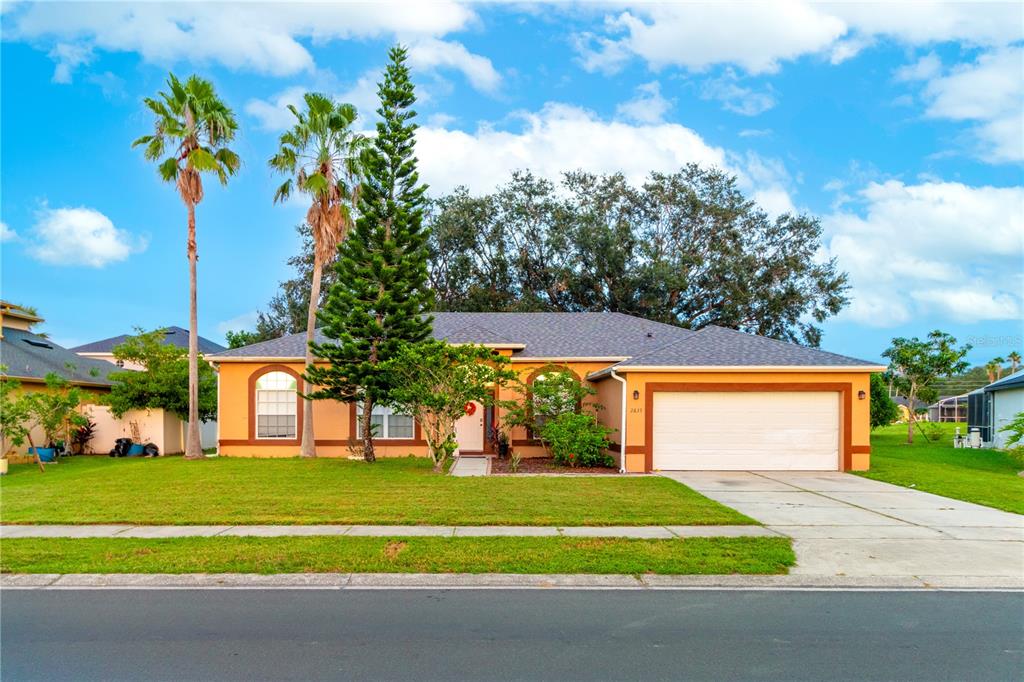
[(151, 450), (121, 447)]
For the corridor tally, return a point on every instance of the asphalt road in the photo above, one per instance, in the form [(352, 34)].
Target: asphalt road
[(496, 635)]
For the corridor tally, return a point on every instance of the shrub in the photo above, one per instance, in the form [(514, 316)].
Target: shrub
[(577, 440), (883, 410)]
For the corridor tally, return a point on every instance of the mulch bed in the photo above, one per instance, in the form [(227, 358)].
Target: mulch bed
[(545, 465)]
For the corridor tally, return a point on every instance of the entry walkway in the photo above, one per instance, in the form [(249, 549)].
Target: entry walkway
[(128, 531)]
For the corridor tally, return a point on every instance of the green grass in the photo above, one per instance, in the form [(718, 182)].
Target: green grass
[(239, 491), (987, 477), (323, 554)]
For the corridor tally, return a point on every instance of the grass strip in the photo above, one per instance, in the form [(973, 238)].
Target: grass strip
[(987, 477), (331, 554), (404, 491)]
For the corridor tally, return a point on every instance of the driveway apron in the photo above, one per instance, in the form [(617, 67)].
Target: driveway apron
[(846, 525)]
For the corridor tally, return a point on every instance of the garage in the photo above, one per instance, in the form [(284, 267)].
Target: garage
[(740, 430)]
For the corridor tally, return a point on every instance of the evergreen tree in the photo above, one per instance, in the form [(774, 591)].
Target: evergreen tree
[(380, 298)]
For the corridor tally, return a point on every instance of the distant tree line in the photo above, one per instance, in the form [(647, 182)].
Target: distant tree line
[(686, 248)]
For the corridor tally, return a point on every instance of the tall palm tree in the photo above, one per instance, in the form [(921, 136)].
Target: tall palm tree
[(321, 154), (1014, 358), (195, 125)]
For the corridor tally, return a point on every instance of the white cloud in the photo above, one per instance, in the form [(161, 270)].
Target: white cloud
[(431, 53), (6, 233), (80, 236), (243, 322), (273, 114), (561, 137), (924, 68), (735, 97), (990, 93), (259, 36), (68, 58), (754, 36), (557, 138), (755, 132), (647, 107), (757, 36), (939, 248)]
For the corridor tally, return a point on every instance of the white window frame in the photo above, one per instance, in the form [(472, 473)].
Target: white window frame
[(385, 431), (293, 402)]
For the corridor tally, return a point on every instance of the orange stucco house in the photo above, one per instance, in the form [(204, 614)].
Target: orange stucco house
[(713, 399)]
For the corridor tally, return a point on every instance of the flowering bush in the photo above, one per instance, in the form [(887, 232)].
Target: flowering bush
[(577, 440)]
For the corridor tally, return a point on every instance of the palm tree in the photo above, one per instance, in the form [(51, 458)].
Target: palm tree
[(1014, 358), (321, 154), (994, 369), (998, 362), (196, 125)]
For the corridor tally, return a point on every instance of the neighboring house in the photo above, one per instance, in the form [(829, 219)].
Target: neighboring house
[(902, 405), (677, 399), (174, 427), (951, 408), (30, 357), (175, 336), (994, 406)]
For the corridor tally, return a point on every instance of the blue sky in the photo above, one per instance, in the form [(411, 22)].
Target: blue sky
[(902, 129)]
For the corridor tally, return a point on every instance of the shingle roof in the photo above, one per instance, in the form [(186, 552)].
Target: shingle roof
[(637, 341), (173, 335), (1015, 380), (717, 346), (30, 356)]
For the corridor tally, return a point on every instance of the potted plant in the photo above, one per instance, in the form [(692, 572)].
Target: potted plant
[(55, 412)]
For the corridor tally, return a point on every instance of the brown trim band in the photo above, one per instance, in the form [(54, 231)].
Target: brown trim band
[(845, 390), (860, 449)]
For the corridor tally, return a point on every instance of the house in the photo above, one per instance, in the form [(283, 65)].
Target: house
[(950, 408), (175, 336), (994, 406), (677, 399), (171, 429), (29, 357)]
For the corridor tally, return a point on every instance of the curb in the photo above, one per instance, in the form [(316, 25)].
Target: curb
[(356, 581)]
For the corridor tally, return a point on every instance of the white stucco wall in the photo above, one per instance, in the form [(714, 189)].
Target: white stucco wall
[(1005, 406)]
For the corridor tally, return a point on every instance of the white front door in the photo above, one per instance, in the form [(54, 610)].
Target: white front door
[(469, 430), (746, 430)]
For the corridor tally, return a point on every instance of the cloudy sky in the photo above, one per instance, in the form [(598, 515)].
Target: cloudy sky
[(900, 126)]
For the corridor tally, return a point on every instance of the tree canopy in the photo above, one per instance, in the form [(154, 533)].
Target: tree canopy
[(380, 298), (163, 383), (687, 248)]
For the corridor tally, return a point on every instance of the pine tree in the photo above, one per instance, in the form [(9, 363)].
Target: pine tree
[(380, 297)]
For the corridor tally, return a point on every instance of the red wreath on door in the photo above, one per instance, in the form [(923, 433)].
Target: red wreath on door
[(470, 408)]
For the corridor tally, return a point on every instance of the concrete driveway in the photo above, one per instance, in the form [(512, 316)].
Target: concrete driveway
[(843, 524)]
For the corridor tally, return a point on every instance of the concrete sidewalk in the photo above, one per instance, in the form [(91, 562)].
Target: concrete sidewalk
[(399, 581), (131, 531)]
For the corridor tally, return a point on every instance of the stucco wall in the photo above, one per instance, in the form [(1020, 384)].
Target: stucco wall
[(332, 420), (1005, 406)]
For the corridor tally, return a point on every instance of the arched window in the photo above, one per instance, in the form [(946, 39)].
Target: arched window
[(553, 392), (276, 406)]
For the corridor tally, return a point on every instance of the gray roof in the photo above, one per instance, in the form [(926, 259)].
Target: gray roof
[(30, 356), (1015, 380), (718, 346), (594, 335), (175, 336)]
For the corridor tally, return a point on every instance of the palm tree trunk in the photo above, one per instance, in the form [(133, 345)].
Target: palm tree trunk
[(193, 445), (308, 448)]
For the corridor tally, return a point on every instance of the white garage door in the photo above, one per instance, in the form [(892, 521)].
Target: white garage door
[(740, 430)]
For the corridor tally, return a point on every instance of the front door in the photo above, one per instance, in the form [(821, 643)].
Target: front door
[(469, 429)]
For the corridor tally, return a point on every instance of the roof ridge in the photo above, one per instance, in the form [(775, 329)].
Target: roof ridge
[(776, 341)]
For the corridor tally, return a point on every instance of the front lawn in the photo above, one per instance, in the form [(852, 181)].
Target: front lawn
[(240, 491), (987, 477), (323, 554)]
